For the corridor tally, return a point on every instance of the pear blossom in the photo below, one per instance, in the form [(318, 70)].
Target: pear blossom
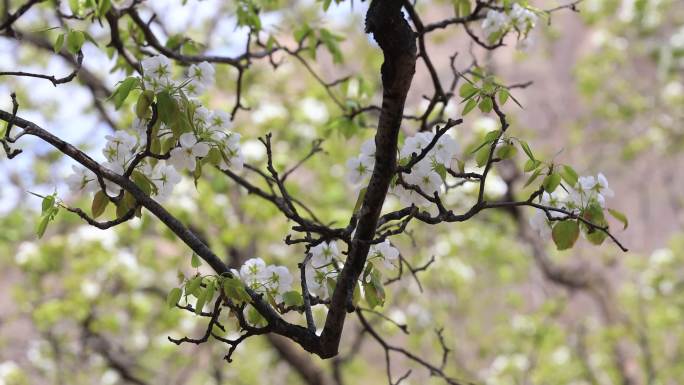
[(201, 77), (359, 167), (253, 272), (540, 224), (368, 148), (278, 280), (230, 144), (388, 253), (157, 73), (523, 18), (184, 157), (415, 144), (445, 149), (113, 189), (323, 254), (423, 176), (120, 147), (316, 280), (165, 178), (219, 120), (81, 180), (495, 22)]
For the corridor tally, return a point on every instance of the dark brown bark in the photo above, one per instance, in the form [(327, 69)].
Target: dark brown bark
[(397, 41)]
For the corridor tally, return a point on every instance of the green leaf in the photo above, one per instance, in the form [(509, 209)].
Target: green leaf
[(192, 285), (201, 300), (166, 107), (123, 89), (482, 156), (569, 175), (469, 106), (506, 151), (467, 90), (489, 138), (359, 200), (293, 298), (620, 217), (103, 7), (532, 177), (593, 213), (59, 43), (143, 182), (173, 297), (142, 107), (74, 41), (526, 148), (100, 202), (75, 6), (125, 204), (531, 165), (195, 261), (565, 234), (503, 96), (463, 8), (235, 290), (551, 182), (48, 203), (42, 225), (486, 104)]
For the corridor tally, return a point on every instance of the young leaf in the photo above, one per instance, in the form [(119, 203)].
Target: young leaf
[(42, 225), (486, 104), (195, 262), (506, 151), (100, 202), (467, 90), (569, 175), (532, 177), (620, 217), (482, 156), (122, 90), (48, 203), (526, 148), (293, 298), (531, 165), (503, 96), (551, 182), (74, 41), (59, 43), (173, 297), (469, 106), (565, 234)]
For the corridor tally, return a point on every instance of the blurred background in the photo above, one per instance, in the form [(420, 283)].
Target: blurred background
[(85, 306)]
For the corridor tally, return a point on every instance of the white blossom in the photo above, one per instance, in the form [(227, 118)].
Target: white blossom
[(523, 18), (253, 272), (388, 253), (184, 157), (495, 22), (230, 144), (81, 180), (157, 73), (359, 167), (165, 178), (323, 254)]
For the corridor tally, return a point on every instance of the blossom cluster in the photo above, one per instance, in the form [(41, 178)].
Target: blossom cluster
[(205, 138), (424, 175), (588, 190), (321, 270), (273, 280), (498, 23)]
